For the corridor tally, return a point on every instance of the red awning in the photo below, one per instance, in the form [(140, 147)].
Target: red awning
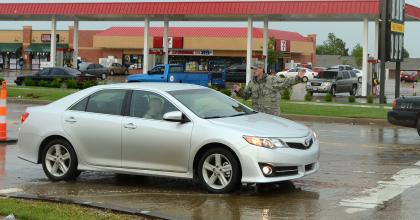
[(329, 10)]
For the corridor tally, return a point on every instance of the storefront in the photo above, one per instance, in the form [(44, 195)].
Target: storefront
[(9, 55), (39, 55), (133, 61)]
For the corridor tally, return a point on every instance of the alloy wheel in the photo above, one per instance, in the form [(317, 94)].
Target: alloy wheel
[(57, 160), (217, 171)]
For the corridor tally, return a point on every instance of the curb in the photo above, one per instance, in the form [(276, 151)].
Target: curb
[(28, 101), (89, 204), (329, 119)]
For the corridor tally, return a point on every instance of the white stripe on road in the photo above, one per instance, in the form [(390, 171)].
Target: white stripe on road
[(10, 190), (385, 191)]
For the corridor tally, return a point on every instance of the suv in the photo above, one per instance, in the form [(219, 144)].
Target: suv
[(333, 81), (117, 68), (236, 73), (94, 69)]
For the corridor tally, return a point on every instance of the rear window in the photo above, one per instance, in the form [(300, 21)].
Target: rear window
[(327, 75)]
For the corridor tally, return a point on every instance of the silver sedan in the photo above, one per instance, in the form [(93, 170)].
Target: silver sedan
[(173, 130)]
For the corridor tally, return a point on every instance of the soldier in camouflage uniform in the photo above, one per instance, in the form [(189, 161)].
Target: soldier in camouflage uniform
[(264, 90)]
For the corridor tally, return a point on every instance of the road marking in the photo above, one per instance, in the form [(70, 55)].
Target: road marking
[(10, 190), (385, 191)]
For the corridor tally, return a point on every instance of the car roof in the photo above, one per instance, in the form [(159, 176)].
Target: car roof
[(153, 86)]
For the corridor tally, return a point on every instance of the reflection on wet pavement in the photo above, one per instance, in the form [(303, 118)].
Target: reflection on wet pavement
[(353, 158)]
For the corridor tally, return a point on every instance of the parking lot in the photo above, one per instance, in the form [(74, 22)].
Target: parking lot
[(367, 171)]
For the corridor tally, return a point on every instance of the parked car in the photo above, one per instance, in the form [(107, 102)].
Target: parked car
[(408, 76), (319, 69), (161, 129), (236, 73), (174, 73), (94, 69), (49, 74), (117, 68), (405, 112), (333, 81), (309, 74)]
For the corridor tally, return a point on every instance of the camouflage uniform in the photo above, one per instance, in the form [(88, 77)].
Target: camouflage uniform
[(265, 92)]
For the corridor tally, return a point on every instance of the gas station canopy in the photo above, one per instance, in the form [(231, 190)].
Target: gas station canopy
[(303, 10)]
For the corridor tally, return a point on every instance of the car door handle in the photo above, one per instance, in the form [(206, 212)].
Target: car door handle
[(130, 126), (71, 120)]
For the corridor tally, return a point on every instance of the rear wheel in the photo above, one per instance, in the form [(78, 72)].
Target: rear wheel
[(333, 91), (112, 72), (353, 90), (103, 76), (219, 171), (418, 125), (59, 161)]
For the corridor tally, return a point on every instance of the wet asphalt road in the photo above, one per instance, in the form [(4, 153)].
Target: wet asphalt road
[(355, 161)]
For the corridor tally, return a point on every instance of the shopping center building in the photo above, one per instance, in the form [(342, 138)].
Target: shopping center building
[(198, 48)]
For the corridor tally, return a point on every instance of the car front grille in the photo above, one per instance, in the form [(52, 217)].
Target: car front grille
[(316, 84), (285, 171), (300, 146), (309, 167)]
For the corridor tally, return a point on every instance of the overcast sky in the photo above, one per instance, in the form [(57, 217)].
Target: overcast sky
[(350, 32)]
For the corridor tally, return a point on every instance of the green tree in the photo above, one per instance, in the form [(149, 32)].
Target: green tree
[(332, 46), (357, 54), (273, 55)]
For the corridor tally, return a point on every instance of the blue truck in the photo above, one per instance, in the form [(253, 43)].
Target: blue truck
[(174, 73)]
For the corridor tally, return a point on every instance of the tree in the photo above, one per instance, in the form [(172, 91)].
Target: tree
[(332, 46), (357, 53), (273, 55)]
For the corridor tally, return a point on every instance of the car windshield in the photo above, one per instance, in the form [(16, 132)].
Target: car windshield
[(327, 75), (207, 103)]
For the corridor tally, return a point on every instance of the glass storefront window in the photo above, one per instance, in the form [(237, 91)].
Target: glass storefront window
[(133, 61)]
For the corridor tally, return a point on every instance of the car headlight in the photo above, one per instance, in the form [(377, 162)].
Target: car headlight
[(308, 83), (326, 83), (271, 143)]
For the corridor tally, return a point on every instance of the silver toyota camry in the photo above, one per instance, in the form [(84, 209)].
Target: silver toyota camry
[(165, 129)]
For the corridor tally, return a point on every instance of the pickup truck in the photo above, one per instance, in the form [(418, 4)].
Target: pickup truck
[(173, 73)]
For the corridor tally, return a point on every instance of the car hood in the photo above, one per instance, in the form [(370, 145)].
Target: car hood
[(263, 125), (320, 80)]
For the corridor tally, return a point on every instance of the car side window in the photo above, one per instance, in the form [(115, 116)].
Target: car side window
[(353, 74), (58, 72), (91, 66), (340, 75), (107, 102), (149, 105), (98, 66), (45, 72), (157, 70), (81, 105), (346, 75), (176, 69)]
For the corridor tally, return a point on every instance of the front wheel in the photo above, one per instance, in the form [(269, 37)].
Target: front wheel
[(112, 72), (418, 126), (59, 161), (353, 90), (333, 91), (219, 171), (103, 76), (305, 79)]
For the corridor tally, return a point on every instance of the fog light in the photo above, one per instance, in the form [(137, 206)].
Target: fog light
[(267, 170)]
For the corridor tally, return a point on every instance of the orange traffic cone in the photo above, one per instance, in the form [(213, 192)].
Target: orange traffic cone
[(3, 112)]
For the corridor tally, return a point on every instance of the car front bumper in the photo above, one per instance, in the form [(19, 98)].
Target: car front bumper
[(320, 89), (287, 163)]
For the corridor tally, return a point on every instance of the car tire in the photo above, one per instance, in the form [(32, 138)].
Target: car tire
[(353, 90), (211, 174), (112, 72), (418, 125), (333, 91), (59, 161), (305, 79), (126, 72), (103, 76), (360, 80)]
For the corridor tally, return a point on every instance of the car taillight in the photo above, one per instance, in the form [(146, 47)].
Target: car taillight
[(24, 116), (394, 104)]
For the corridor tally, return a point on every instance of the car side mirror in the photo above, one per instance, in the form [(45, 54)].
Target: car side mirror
[(175, 116)]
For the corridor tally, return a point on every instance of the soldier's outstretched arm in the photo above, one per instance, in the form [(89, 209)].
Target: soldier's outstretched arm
[(284, 83), (245, 93)]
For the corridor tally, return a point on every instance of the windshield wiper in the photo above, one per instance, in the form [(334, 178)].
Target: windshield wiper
[(211, 117)]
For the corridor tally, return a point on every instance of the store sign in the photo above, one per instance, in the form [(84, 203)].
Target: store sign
[(283, 45), (192, 52), (47, 37), (173, 42)]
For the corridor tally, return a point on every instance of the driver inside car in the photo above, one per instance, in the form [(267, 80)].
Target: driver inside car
[(155, 109)]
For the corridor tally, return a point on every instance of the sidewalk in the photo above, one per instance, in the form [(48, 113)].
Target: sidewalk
[(343, 105)]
